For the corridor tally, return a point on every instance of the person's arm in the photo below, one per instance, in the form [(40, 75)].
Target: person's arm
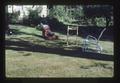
[(46, 33)]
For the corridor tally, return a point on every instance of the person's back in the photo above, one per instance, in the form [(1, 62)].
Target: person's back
[(45, 26), (47, 33), (45, 30)]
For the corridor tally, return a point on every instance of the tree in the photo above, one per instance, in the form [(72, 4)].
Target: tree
[(7, 28), (6, 18), (34, 17), (12, 8), (65, 13), (93, 11), (23, 10)]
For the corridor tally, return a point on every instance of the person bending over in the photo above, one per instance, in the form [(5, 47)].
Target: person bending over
[(47, 33)]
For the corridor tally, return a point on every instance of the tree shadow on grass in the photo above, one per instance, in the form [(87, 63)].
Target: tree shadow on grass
[(17, 32), (84, 31), (27, 46)]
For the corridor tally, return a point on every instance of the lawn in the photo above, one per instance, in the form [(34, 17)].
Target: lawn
[(29, 55)]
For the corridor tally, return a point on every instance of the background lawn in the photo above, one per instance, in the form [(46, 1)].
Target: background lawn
[(29, 55)]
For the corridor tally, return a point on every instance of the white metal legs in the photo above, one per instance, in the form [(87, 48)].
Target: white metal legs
[(87, 46), (91, 40)]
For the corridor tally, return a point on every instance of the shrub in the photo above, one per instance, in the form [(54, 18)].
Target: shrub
[(34, 17), (25, 21), (13, 17), (101, 22), (63, 14)]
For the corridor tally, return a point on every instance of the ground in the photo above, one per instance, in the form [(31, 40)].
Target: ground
[(28, 54)]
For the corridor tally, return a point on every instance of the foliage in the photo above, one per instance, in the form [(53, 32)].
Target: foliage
[(33, 16), (101, 22), (99, 11), (95, 15), (59, 13), (25, 21), (13, 17), (64, 15), (88, 14)]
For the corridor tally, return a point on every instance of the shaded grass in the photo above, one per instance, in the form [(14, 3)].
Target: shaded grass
[(44, 62), (34, 36)]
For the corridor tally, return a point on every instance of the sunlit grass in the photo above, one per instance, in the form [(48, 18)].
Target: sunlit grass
[(52, 65)]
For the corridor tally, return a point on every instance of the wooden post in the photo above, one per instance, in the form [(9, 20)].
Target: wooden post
[(76, 35), (67, 34)]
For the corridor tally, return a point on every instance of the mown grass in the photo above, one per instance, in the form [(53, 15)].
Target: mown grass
[(27, 55)]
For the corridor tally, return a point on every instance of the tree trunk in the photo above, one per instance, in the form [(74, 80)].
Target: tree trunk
[(6, 18), (23, 10), (93, 21), (12, 9), (107, 22)]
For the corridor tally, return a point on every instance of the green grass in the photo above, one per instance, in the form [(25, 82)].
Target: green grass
[(21, 61)]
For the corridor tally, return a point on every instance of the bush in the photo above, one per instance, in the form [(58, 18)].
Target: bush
[(100, 22), (13, 17), (25, 21), (33, 17), (63, 14)]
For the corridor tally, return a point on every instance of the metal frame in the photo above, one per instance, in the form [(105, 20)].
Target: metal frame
[(72, 28), (91, 40)]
